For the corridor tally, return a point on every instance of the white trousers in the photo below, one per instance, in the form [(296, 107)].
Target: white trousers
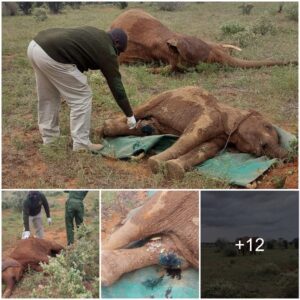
[(55, 80), (37, 223)]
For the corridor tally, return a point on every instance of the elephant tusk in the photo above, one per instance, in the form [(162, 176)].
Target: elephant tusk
[(231, 46)]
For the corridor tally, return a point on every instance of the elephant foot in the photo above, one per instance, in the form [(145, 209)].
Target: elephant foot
[(174, 170), (155, 164)]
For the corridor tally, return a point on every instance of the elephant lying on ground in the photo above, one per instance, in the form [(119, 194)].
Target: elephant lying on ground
[(151, 41), (27, 253), (205, 127), (170, 221)]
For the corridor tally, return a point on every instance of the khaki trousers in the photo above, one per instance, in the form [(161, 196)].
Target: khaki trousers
[(55, 80), (37, 223)]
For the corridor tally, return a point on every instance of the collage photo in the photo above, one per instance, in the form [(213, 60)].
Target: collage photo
[(150, 150)]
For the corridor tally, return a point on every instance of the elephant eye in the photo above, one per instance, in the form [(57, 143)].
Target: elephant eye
[(268, 126)]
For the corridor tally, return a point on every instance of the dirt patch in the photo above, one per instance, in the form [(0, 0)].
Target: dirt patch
[(283, 176)]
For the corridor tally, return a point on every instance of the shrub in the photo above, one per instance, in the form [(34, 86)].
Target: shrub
[(244, 38), (25, 7), (13, 200), (246, 8), (292, 12), (122, 5), (40, 14), (9, 8), (232, 28), (74, 5), (169, 6), (293, 150), (289, 285), (55, 7), (268, 269), (70, 273), (221, 289), (221, 243), (229, 251), (263, 26)]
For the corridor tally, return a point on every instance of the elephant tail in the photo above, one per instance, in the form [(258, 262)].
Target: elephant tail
[(224, 58)]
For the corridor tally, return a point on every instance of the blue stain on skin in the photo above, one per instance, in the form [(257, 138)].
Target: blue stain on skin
[(169, 260)]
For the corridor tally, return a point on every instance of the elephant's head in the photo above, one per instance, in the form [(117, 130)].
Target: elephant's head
[(259, 137), (189, 50)]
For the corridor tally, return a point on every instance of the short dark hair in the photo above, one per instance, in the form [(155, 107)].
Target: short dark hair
[(120, 36)]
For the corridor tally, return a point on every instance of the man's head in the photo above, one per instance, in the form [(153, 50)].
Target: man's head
[(119, 38)]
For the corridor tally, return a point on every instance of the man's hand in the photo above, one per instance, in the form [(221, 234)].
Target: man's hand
[(49, 221), (25, 235), (131, 122)]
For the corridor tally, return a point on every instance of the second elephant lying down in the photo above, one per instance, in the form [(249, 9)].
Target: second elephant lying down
[(170, 222), (27, 253), (205, 127), (149, 40)]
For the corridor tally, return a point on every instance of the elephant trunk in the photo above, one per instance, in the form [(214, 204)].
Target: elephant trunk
[(226, 59), (277, 152), (126, 234)]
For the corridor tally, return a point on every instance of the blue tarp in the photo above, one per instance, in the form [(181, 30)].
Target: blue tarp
[(133, 285)]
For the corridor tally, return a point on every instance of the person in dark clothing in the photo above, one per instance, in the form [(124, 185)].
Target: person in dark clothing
[(59, 57), (32, 214), (74, 211)]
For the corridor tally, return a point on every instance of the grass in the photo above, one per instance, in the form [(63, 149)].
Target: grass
[(271, 91), (34, 284), (255, 276)]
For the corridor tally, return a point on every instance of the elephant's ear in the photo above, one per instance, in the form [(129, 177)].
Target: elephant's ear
[(182, 47), (172, 44)]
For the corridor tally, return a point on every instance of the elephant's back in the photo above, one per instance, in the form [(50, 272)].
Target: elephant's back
[(180, 107)]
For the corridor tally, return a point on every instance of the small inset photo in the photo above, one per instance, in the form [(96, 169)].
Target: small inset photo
[(249, 244), (150, 244), (50, 244)]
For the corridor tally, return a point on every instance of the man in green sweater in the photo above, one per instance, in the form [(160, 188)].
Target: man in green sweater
[(59, 57), (74, 211), (32, 214)]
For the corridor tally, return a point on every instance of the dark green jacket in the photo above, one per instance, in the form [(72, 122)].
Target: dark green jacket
[(88, 48), (77, 195), (32, 206)]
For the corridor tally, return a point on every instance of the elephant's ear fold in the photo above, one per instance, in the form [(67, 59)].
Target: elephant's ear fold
[(172, 44)]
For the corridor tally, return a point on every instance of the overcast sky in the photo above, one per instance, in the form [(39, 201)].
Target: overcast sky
[(233, 214)]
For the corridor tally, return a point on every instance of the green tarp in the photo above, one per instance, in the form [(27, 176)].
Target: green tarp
[(134, 285), (235, 168)]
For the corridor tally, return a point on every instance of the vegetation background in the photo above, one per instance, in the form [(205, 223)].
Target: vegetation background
[(269, 274), (264, 33), (74, 273)]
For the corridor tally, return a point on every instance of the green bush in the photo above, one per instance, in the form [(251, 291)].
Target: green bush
[(263, 26), (169, 6), (232, 28), (244, 38), (221, 289), (13, 200), (289, 285), (40, 14), (76, 268), (292, 12), (268, 269)]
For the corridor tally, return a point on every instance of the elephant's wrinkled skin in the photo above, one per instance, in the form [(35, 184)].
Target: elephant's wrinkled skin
[(205, 127), (172, 217), (151, 41), (27, 253)]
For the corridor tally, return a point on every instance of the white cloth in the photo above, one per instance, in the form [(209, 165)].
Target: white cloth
[(25, 235), (53, 80)]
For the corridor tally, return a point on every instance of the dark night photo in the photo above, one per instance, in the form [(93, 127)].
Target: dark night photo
[(249, 244)]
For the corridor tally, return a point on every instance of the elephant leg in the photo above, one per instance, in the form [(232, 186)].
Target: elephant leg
[(177, 167), (115, 263), (10, 276)]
